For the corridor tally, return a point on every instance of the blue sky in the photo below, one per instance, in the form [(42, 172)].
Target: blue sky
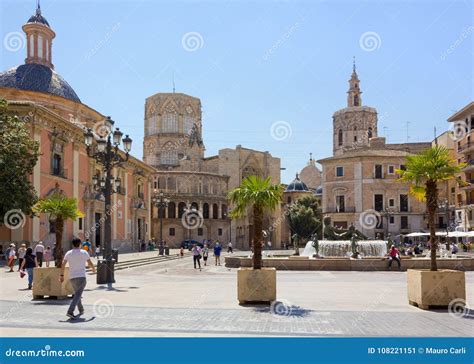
[(256, 64)]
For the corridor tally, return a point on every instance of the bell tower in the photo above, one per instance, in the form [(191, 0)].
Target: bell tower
[(354, 93), (39, 38)]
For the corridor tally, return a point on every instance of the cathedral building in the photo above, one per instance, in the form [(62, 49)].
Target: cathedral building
[(359, 182), (196, 186)]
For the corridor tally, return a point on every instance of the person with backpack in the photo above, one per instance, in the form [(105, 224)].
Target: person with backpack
[(29, 263)]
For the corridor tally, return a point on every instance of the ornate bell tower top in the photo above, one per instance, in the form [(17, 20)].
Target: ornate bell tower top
[(39, 38), (354, 93)]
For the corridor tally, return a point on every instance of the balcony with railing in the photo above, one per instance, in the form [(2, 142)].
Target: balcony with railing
[(469, 166), (466, 148)]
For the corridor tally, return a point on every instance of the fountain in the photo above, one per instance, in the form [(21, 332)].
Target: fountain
[(343, 248)]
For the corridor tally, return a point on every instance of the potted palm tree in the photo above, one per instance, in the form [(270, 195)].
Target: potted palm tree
[(59, 209), (256, 284), (424, 171)]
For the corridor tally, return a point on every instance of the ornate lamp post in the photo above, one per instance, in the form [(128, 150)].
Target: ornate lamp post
[(161, 202), (106, 152)]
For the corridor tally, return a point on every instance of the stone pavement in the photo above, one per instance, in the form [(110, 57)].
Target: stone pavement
[(173, 299)]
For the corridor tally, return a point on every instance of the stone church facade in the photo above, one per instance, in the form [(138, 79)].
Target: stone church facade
[(196, 186)]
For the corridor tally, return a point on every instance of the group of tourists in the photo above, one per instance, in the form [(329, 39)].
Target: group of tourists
[(203, 253), (43, 255)]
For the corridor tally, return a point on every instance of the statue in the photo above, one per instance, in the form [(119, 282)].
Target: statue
[(314, 239), (355, 252), (296, 239), (332, 233)]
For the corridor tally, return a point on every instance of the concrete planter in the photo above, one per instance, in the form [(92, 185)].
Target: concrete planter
[(427, 288), (46, 283), (256, 285)]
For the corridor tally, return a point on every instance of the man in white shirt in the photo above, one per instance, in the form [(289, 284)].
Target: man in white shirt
[(39, 250), (77, 259)]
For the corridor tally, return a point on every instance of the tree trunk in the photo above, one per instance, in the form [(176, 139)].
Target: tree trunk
[(431, 206), (58, 250), (257, 237)]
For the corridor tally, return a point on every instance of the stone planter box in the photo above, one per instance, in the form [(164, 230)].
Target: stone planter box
[(427, 288), (256, 285), (46, 283)]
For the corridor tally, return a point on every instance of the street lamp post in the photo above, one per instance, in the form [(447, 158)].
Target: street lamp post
[(161, 202), (106, 152), (387, 213)]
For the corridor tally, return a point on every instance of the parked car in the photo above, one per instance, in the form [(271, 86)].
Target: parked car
[(188, 244)]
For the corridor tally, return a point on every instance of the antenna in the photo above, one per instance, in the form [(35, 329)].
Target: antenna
[(408, 135), (173, 83)]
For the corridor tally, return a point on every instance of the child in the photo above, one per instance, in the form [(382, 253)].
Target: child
[(47, 256)]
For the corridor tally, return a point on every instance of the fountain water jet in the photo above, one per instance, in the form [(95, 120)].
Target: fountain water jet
[(342, 248)]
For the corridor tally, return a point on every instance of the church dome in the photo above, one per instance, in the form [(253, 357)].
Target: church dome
[(297, 186), (39, 78), (38, 18)]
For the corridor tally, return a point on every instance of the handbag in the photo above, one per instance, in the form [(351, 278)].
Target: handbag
[(22, 273)]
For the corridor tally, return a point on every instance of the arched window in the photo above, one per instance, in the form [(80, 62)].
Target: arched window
[(339, 137), (195, 206), (181, 208), (369, 132), (169, 157), (205, 211), (169, 123), (215, 211), (171, 210)]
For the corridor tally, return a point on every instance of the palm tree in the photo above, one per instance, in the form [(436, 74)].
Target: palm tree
[(60, 208), (424, 171), (261, 195)]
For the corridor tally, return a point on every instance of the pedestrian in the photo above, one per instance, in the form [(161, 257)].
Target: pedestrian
[(394, 255), (11, 254), (48, 254), (39, 251), (454, 249), (97, 251), (229, 247), (217, 253), (87, 246), (269, 243), (77, 258), (29, 263), (205, 254), (21, 255), (196, 250), (181, 251)]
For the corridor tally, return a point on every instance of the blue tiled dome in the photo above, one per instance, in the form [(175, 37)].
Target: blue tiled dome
[(296, 186), (39, 78)]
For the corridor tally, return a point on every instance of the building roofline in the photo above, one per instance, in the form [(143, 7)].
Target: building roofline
[(457, 114)]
